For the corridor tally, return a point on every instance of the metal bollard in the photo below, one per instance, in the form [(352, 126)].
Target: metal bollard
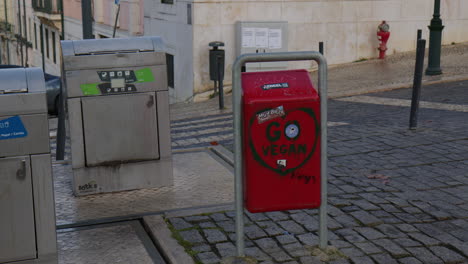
[(418, 72)]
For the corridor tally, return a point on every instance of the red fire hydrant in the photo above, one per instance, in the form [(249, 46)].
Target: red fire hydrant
[(383, 35)]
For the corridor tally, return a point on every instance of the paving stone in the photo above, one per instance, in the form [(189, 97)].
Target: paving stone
[(267, 244), (296, 249), (369, 233), (407, 242), (391, 247), (340, 243), (406, 228), (227, 226), (427, 241), (339, 261), (208, 257), (257, 216), (352, 252), (366, 218), (286, 239), (391, 231), (308, 239), (202, 248), (292, 227), (424, 255), (192, 236), (355, 238), (384, 259), (271, 228), (362, 260), (214, 235), (256, 253), (447, 255), (346, 220), (280, 256), (226, 249), (409, 260), (365, 205), (206, 225), (219, 217), (277, 216), (368, 248), (180, 223), (197, 218), (310, 260), (254, 232)]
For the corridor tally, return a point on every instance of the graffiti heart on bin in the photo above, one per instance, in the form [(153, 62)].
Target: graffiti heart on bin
[(285, 142)]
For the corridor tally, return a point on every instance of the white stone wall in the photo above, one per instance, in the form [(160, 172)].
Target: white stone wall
[(347, 27)]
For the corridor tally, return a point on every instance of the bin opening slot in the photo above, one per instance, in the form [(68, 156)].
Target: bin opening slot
[(104, 52), (24, 90)]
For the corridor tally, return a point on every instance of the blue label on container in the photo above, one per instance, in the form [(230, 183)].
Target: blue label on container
[(12, 128)]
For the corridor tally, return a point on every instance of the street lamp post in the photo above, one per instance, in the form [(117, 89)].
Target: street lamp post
[(435, 41)]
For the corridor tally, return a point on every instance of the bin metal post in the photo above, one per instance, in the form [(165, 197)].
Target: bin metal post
[(220, 81), (236, 104)]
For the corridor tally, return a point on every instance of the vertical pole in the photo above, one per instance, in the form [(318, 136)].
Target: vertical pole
[(435, 42), (87, 15), (25, 31), (116, 20), (62, 37), (321, 47), (20, 29), (323, 220), (7, 30), (220, 80), (238, 181), (418, 72), (42, 46), (419, 34)]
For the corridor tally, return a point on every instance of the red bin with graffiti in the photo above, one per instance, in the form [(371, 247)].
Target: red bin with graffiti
[(281, 137)]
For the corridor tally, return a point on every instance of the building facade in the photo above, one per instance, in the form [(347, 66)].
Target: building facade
[(129, 21), (347, 28), (30, 34)]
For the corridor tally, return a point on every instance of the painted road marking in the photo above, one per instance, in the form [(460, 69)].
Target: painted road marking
[(404, 103)]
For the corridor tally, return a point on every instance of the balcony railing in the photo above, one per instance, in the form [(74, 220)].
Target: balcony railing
[(47, 6)]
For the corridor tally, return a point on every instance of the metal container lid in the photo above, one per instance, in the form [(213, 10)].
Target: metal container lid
[(21, 80), (110, 46)]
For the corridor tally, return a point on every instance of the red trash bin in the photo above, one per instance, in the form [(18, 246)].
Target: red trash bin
[(281, 141)]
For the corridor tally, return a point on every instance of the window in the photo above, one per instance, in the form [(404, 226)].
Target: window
[(35, 35), (54, 55), (170, 69), (47, 42), (167, 1)]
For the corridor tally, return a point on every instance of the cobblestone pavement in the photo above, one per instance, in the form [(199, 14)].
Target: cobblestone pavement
[(395, 195)]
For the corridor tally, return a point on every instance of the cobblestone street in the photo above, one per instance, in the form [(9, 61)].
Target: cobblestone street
[(395, 195)]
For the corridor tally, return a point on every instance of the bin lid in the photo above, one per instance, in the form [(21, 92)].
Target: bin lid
[(278, 85), (110, 46), (21, 80)]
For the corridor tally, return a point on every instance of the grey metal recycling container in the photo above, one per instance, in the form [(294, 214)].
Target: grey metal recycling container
[(118, 114), (27, 209)]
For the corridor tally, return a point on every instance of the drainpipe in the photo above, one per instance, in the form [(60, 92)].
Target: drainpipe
[(25, 31), (42, 46), (20, 29), (62, 20), (6, 31)]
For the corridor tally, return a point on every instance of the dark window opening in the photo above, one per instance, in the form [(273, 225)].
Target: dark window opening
[(35, 36), (53, 47), (47, 42), (167, 1), (170, 70)]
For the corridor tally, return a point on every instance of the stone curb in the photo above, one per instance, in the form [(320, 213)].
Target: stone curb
[(161, 235)]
